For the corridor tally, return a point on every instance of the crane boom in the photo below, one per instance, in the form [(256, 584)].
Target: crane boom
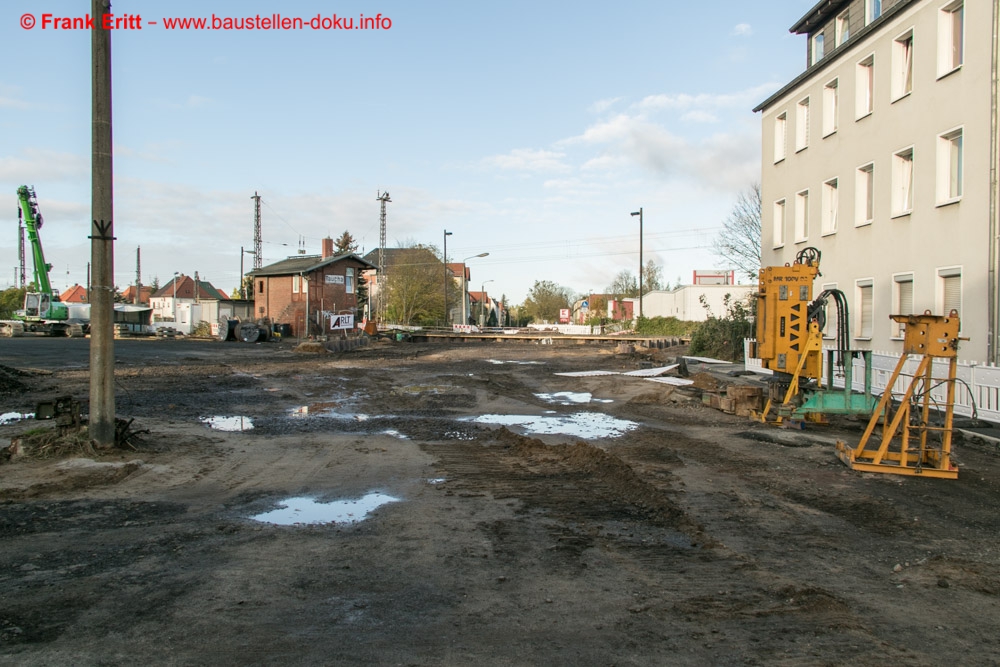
[(33, 222)]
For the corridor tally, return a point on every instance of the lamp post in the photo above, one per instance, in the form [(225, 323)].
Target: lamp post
[(446, 235), (639, 213), (175, 296), (243, 286), (482, 304), (465, 287)]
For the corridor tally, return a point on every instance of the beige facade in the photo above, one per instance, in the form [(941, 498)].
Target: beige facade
[(880, 156)]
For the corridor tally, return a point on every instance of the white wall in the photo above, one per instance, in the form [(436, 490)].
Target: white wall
[(684, 302)]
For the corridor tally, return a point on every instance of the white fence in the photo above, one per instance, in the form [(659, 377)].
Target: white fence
[(978, 384)]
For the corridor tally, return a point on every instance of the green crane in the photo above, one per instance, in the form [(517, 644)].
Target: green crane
[(42, 308)]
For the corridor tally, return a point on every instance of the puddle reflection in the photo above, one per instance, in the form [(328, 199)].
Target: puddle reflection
[(232, 424), (580, 424), (302, 510)]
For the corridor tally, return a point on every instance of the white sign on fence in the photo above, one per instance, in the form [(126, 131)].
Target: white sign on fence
[(342, 321)]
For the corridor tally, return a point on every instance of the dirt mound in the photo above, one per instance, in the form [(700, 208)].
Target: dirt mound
[(10, 380), (309, 348)]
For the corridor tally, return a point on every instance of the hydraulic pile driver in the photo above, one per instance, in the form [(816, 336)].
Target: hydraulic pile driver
[(790, 325)]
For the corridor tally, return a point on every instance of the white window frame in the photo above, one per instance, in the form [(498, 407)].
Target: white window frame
[(859, 285), (802, 125), (831, 206), (802, 216), (873, 10), (829, 331), (864, 195), (950, 166), (950, 59), (898, 308), (831, 107), (901, 84), (843, 27), (349, 280), (903, 164), (296, 284), (778, 224), (780, 136), (864, 91), (942, 274), (818, 50)]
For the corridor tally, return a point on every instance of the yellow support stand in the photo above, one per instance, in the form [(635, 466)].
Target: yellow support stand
[(913, 453)]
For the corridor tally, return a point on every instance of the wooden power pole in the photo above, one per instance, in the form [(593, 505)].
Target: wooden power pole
[(102, 338)]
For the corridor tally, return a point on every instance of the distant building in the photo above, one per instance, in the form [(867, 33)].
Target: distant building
[(714, 277), (186, 301), (688, 302), (309, 288), (145, 294), (75, 294)]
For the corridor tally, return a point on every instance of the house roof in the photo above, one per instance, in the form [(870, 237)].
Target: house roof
[(75, 294), (305, 264), (458, 268), (837, 53), (129, 293), (186, 289)]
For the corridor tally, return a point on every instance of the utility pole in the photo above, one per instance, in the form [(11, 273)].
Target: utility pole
[(383, 197), (639, 213), (102, 339), (257, 240), (446, 235), (138, 275)]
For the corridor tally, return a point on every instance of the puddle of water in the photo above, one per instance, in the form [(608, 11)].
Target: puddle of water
[(11, 417), (572, 398), (427, 388), (326, 409), (437, 480), (234, 424), (396, 434), (580, 424), (301, 511), (501, 362)]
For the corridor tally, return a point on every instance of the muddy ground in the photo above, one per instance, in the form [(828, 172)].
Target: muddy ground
[(684, 541)]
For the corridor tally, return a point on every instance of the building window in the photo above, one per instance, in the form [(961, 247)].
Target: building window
[(902, 300), (843, 27), (873, 10), (864, 97), (802, 125), (950, 290), (296, 284), (349, 281), (864, 192), (951, 37), (260, 289), (779, 137), (902, 182), (864, 293), (778, 223), (902, 66), (831, 202), (802, 216), (831, 107), (949, 167), (817, 47)]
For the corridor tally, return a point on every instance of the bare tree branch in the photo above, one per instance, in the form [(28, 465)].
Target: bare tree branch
[(739, 242)]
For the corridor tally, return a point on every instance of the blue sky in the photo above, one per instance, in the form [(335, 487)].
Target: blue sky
[(529, 130)]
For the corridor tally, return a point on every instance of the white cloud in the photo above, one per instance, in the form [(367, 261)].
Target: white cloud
[(696, 116), (743, 99), (600, 106), (37, 165), (742, 30), (527, 159)]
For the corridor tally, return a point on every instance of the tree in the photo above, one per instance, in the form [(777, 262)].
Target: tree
[(739, 242), (652, 277), (413, 288), (545, 299), (155, 285), (345, 243), (625, 285), (11, 299)]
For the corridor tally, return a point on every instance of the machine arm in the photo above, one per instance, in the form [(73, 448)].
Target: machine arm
[(28, 210)]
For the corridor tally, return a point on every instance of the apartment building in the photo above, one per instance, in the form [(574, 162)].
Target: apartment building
[(882, 154)]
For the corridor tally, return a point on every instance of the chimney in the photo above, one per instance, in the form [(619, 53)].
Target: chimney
[(327, 247)]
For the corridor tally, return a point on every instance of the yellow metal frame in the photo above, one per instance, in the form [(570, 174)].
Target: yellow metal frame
[(933, 337), (812, 349)]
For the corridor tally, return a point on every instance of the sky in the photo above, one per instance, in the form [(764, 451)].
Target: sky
[(530, 130)]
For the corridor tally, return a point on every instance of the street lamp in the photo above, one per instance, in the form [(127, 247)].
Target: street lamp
[(243, 286), (175, 296), (639, 213), (446, 235), (465, 287), (482, 304)]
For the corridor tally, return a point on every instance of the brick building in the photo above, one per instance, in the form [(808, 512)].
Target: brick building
[(309, 288)]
